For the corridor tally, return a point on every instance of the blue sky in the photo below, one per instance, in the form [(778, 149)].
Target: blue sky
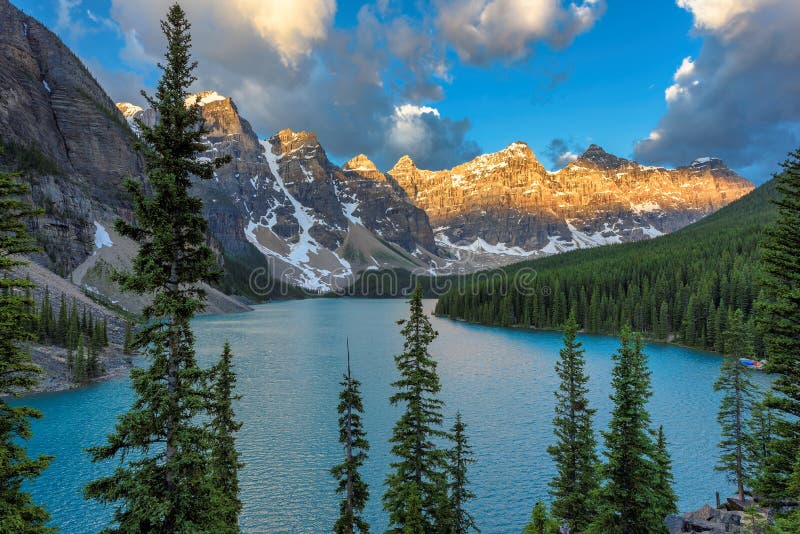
[(444, 80)]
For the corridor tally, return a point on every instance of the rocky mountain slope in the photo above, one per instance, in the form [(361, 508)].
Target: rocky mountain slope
[(58, 123), (508, 203), (318, 225), (311, 223), (281, 210), (59, 127)]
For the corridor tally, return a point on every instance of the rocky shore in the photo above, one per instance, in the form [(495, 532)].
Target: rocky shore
[(732, 517), (56, 377)]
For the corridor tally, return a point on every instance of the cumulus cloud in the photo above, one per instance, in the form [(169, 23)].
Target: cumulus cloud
[(486, 30), (738, 99), (371, 87), (344, 84), (433, 141), (561, 153), (718, 14)]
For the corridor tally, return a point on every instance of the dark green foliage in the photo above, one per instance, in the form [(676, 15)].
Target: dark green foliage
[(84, 338), (664, 480), (678, 287), (415, 495), (225, 463), (165, 483), (541, 522), (779, 316), (574, 452), (738, 393), (352, 487), (759, 433), (460, 457), (628, 501), (65, 327), (128, 342), (18, 513)]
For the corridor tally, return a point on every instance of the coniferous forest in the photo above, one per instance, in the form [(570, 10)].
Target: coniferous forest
[(729, 283)]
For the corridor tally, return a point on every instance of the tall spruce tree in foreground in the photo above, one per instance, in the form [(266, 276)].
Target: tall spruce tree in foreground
[(628, 501), (574, 452), (225, 463), (352, 487), (163, 482), (460, 457), (416, 496), (737, 395), (18, 512), (779, 316)]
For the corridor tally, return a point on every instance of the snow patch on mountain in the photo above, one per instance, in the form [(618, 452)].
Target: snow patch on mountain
[(101, 237), (303, 257)]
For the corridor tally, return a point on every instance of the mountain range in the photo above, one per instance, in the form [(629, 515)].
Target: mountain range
[(283, 207)]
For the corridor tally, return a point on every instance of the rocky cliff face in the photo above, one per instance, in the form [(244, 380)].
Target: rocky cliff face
[(507, 203), (58, 124), (315, 224)]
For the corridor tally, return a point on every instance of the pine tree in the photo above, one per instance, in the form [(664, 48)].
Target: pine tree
[(459, 494), (79, 373), (352, 487), (541, 522), (415, 498), (779, 316), (62, 322), (738, 393), (166, 488), (664, 481), (73, 331), (18, 512), (759, 433), (574, 453), (45, 317), (628, 501), (225, 463), (128, 343)]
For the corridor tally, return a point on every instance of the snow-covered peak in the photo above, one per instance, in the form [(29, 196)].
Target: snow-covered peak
[(519, 148), (705, 161), (128, 110), (204, 97)]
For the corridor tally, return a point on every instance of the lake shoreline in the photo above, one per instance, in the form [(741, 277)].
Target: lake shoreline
[(55, 376)]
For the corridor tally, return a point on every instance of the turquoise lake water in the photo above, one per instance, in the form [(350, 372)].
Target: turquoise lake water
[(290, 357)]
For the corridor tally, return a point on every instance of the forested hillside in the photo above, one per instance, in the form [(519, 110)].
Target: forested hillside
[(682, 287)]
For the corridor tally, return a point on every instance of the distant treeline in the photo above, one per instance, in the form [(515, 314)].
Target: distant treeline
[(682, 287)]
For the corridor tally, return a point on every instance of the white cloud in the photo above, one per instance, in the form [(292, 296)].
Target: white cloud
[(715, 15), (431, 140), (409, 133), (561, 153), (738, 97), (686, 70), (486, 30), (290, 28)]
